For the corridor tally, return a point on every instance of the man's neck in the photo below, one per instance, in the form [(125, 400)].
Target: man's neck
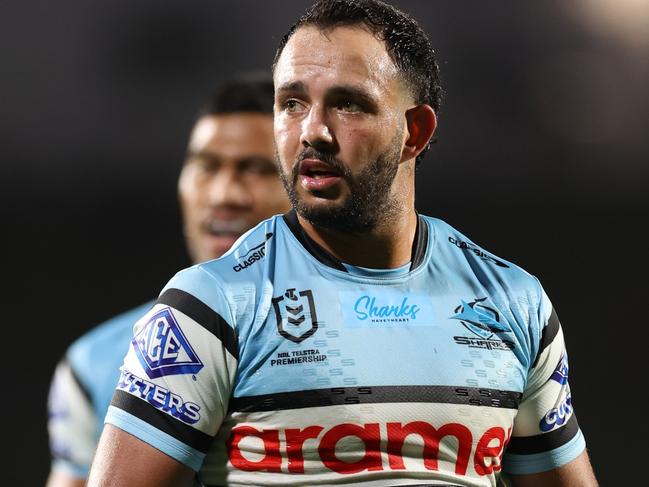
[(386, 247)]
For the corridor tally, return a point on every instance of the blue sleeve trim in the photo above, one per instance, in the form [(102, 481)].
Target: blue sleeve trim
[(541, 462), (162, 441), (70, 468)]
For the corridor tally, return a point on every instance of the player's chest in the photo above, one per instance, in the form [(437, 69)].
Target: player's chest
[(322, 334)]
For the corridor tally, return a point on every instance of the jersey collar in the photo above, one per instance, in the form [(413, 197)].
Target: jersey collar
[(417, 254)]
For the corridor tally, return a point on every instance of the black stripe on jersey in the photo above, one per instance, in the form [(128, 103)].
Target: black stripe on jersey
[(75, 377), (548, 335), (417, 253), (419, 244), (337, 396), (202, 314), (527, 445), (162, 421), (307, 242)]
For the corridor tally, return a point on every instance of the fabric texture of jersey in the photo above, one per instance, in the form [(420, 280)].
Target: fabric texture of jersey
[(275, 365), (82, 388)]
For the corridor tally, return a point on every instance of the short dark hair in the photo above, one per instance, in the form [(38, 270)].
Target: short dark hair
[(406, 42), (245, 92)]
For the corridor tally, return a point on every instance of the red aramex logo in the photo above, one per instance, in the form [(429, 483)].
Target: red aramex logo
[(486, 460)]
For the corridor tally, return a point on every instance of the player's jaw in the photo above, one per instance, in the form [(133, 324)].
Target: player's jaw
[(324, 191)]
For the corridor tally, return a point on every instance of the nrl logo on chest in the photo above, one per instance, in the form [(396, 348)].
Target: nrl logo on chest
[(296, 315)]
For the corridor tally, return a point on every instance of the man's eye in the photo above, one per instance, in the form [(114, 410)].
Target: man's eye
[(293, 106), (202, 163), (350, 107), (260, 167)]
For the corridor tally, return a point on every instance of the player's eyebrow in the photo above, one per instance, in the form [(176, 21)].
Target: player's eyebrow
[(202, 154), (355, 93), (291, 87)]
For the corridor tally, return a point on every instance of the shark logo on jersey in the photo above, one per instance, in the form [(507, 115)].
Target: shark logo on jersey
[(296, 315), (163, 349), (479, 319)]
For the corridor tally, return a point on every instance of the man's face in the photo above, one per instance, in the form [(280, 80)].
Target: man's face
[(339, 126), (229, 181)]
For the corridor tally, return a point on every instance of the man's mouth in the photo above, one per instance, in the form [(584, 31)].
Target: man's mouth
[(220, 227), (316, 175)]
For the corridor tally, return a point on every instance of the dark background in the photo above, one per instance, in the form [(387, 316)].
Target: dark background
[(542, 158)]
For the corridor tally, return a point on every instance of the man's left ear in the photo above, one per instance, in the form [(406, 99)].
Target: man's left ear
[(421, 122)]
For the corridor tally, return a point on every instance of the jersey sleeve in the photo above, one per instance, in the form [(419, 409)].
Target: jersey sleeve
[(71, 423), (178, 373), (545, 434)]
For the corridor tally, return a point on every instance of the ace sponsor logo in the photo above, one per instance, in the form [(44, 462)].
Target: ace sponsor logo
[(162, 348)]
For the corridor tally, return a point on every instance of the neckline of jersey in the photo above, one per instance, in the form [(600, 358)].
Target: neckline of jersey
[(423, 245), (370, 272)]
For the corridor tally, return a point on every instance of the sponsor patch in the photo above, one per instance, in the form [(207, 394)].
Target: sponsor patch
[(560, 374), (163, 349), (469, 247), (385, 308), (558, 416), (159, 397), (253, 255)]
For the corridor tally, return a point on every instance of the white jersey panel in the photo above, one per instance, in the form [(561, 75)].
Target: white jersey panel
[(72, 424)]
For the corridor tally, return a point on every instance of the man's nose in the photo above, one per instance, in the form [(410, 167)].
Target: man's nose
[(316, 129), (228, 188)]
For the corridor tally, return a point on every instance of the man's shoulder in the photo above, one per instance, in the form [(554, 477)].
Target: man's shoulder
[(95, 357), (457, 248), (94, 342), (248, 250), (236, 272)]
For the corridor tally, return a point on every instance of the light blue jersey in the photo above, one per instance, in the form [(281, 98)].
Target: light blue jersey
[(81, 390), (277, 364)]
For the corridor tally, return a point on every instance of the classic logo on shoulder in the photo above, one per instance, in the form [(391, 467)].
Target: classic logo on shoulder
[(469, 247), (253, 255), (483, 322), (163, 349), (296, 315)]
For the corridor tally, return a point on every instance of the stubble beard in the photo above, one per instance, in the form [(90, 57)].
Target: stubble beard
[(370, 201)]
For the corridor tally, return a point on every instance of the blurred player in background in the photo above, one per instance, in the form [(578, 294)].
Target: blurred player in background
[(228, 184)]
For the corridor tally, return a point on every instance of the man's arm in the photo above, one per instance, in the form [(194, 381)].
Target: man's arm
[(123, 460), (58, 478), (71, 428), (577, 473)]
